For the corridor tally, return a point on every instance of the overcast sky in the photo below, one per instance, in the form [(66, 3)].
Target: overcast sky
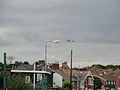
[(94, 25)]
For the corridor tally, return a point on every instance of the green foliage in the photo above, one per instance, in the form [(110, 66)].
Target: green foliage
[(112, 67), (17, 63), (1, 81), (10, 65), (66, 86), (26, 62), (1, 65), (83, 69), (99, 66), (75, 68), (106, 67), (17, 83), (97, 83)]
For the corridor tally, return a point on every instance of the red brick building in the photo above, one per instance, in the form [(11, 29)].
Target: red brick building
[(110, 78)]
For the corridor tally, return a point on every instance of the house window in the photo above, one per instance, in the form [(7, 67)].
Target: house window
[(114, 82), (73, 84), (90, 81), (27, 79), (106, 82)]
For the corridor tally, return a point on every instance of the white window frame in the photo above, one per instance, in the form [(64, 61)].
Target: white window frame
[(27, 79), (90, 81)]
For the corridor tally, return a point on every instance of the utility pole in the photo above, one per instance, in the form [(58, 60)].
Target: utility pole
[(71, 71), (71, 41), (4, 80)]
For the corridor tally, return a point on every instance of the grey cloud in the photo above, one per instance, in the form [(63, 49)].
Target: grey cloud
[(4, 42), (31, 23)]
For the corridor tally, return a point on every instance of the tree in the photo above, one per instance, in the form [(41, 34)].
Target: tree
[(98, 66), (1, 81), (1, 65), (66, 86), (97, 83), (17, 63), (17, 83), (10, 65), (26, 62)]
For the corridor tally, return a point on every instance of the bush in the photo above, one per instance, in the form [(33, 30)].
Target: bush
[(97, 83), (66, 86), (17, 83), (1, 81)]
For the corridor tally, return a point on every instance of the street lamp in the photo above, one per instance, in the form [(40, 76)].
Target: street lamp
[(45, 66), (53, 41)]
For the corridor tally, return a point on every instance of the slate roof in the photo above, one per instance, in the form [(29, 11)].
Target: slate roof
[(65, 76), (106, 78), (76, 75), (24, 67), (31, 68), (80, 74)]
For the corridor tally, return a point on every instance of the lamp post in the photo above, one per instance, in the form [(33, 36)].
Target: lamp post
[(45, 66), (53, 41)]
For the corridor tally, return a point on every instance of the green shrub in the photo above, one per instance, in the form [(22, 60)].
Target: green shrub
[(66, 86), (17, 83)]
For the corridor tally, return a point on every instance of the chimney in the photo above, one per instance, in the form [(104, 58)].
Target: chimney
[(65, 63), (65, 66), (54, 66)]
